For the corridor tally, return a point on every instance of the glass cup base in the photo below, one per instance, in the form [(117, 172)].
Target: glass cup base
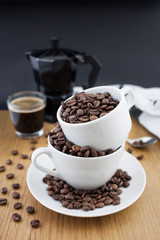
[(30, 135)]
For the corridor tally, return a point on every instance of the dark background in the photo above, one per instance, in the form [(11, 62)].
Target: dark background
[(123, 35)]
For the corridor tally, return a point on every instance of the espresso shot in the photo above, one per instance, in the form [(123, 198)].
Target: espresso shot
[(27, 113)]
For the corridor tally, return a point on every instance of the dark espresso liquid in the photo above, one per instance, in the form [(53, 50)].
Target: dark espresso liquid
[(27, 114)]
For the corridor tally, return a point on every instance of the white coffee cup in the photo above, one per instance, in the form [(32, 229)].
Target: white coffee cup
[(109, 131), (80, 172)]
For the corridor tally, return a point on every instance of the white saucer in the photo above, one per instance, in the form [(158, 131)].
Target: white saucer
[(128, 196)]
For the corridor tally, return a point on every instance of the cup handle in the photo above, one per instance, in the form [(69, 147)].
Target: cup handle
[(34, 158), (129, 95)]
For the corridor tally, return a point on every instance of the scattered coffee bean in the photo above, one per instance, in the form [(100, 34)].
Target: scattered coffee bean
[(34, 141), (4, 190), (30, 209), (15, 185), (18, 205), (24, 156), (129, 150), (3, 201), (84, 107), (20, 166), (87, 200), (16, 195), (14, 152), (16, 217), (2, 168), (140, 157), (35, 223), (10, 175), (33, 147), (9, 162)]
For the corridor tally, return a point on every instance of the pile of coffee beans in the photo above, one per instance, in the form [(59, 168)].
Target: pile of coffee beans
[(84, 107), (87, 200), (60, 142)]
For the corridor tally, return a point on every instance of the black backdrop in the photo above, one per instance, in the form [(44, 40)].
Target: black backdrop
[(124, 37)]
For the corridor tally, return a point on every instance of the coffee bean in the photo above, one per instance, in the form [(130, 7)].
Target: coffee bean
[(101, 153), (15, 185), (86, 208), (126, 184), (35, 223), (93, 153), (4, 190), (80, 154), (93, 117), (70, 206), (84, 149), (20, 166), (120, 184), (14, 152), (116, 202), (65, 203), (24, 156), (2, 168), (92, 207), (34, 141), (108, 201), (3, 201), (51, 193), (99, 205), (87, 198), (18, 205), (80, 112), (33, 147), (9, 162), (128, 177), (119, 191), (75, 148), (16, 195), (87, 153), (114, 187), (16, 217), (56, 196), (30, 209), (77, 205), (129, 150), (116, 198), (64, 191), (140, 157), (10, 175), (69, 196), (71, 102)]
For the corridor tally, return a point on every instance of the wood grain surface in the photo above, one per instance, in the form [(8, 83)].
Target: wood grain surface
[(139, 221)]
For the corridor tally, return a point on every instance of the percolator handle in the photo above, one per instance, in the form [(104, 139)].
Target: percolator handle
[(95, 64)]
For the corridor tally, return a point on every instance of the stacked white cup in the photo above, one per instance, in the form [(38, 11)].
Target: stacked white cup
[(108, 132)]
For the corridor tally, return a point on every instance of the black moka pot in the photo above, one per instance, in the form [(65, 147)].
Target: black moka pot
[(55, 73)]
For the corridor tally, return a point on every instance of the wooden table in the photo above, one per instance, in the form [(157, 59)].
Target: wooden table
[(139, 221)]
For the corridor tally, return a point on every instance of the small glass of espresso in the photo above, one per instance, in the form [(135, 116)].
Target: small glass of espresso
[(27, 113)]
